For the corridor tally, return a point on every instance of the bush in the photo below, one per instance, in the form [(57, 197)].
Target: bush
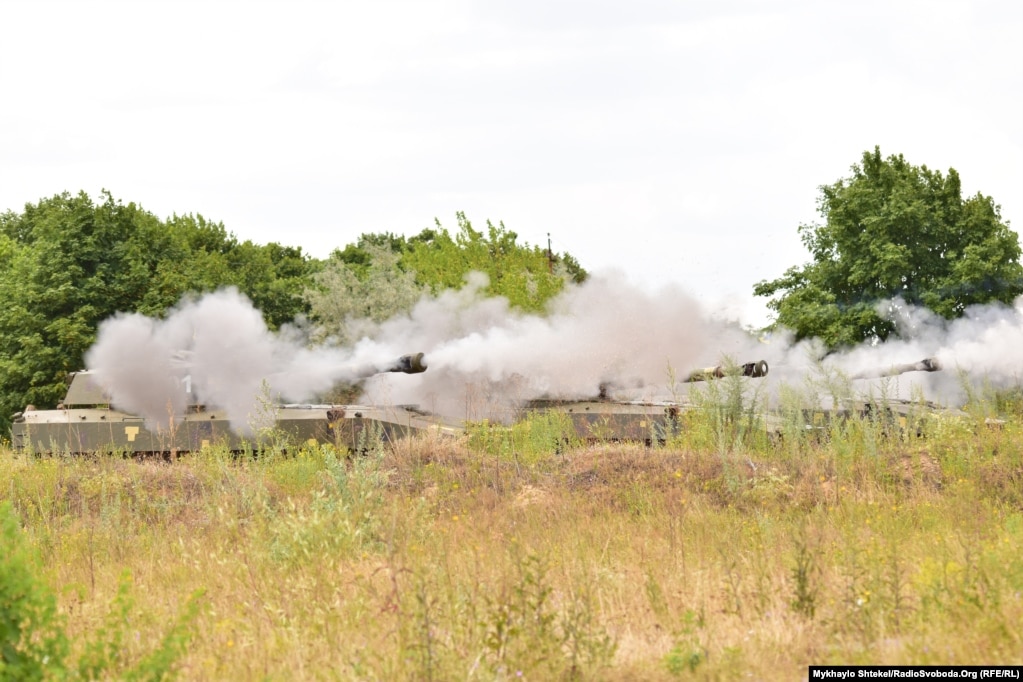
[(32, 640)]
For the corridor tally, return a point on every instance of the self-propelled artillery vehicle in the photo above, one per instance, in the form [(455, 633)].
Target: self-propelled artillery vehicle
[(607, 419), (85, 422), (894, 415)]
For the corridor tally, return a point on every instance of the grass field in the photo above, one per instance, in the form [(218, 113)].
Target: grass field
[(721, 555)]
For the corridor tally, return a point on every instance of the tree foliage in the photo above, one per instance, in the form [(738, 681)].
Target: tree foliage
[(528, 276), (372, 287), (383, 274), (67, 263), (894, 232)]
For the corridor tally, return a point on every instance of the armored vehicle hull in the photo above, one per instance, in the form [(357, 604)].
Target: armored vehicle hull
[(607, 419), (86, 422), (97, 429), (613, 420), (893, 416)]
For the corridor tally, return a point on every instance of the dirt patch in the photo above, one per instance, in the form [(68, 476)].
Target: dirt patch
[(529, 496), (920, 468)]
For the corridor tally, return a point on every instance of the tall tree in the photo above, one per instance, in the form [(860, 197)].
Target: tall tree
[(894, 232), (70, 265), (203, 256), (67, 263)]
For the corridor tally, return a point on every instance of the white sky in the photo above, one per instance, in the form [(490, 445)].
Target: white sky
[(680, 142)]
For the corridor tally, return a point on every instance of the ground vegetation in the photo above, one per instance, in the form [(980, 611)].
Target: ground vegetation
[(515, 553)]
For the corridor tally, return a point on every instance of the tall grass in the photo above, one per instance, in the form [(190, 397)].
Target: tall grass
[(520, 554)]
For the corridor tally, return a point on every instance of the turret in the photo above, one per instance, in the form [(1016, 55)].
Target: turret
[(750, 369), (413, 363)]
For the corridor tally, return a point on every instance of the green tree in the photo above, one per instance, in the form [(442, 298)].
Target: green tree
[(195, 259), (894, 232), (371, 286), (274, 277), (202, 256), (528, 276), (67, 264), (382, 275), (360, 256)]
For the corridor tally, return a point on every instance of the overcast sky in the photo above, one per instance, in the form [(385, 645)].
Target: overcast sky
[(680, 142)]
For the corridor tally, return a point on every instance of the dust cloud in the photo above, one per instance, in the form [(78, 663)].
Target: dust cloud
[(485, 358)]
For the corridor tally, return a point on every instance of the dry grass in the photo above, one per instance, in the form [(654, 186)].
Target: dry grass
[(435, 561)]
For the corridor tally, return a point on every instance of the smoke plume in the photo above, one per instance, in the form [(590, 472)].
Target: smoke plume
[(218, 352), (485, 357)]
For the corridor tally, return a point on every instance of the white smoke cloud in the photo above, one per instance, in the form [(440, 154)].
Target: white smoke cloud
[(983, 348), (484, 356), (215, 351), (605, 331)]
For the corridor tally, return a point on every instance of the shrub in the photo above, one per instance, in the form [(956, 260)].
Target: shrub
[(32, 640)]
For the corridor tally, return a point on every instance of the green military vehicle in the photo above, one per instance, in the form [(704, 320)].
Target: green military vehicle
[(604, 419), (893, 415), (85, 422)]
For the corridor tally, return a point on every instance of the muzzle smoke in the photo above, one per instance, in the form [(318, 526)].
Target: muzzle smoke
[(485, 357), (217, 351)]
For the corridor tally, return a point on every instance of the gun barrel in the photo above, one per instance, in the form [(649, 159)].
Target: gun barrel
[(413, 363), (749, 369), (925, 365)]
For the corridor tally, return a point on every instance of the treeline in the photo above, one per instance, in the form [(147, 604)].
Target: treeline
[(68, 262)]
